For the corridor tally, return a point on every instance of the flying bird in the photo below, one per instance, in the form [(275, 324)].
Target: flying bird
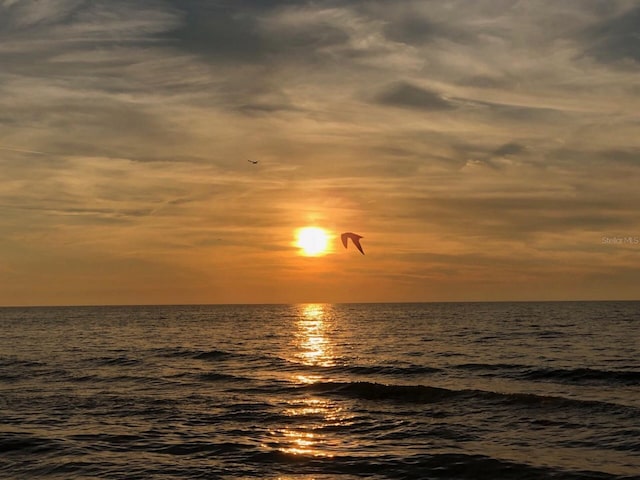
[(252, 161), (355, 238)]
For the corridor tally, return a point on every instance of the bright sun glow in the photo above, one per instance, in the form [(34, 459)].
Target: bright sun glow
[(313, 241)]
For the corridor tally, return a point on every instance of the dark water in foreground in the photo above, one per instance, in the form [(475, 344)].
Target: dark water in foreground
[(386, 391)]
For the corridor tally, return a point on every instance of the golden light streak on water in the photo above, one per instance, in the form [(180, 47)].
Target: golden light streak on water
[(313, 344)]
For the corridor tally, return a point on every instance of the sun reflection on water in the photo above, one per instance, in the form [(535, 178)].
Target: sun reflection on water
[(313, 345), (307, 435), (300, 443), (312, 419)]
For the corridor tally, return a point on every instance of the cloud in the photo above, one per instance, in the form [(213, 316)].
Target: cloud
[(616, 40), (18, 16), (526, 112), (630, 156), (253, 32), (406, 95), (511, 148)]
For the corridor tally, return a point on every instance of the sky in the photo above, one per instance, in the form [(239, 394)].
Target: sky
[(486, 150)]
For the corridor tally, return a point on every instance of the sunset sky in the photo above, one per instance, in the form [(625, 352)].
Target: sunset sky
[(485, 150)]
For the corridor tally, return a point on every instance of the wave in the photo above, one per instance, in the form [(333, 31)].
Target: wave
[(423, 394), (13, 362), (221, 377), (378, 391), (121, 361), (10, 377), (434, 466), (197, 447), (584, 375), (15, 369), (10, 442), (283, 364), (386, 370), (490, 367), (563, 375), (214, 354)]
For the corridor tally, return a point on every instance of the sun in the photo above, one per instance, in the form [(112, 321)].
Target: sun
[(313, 241)]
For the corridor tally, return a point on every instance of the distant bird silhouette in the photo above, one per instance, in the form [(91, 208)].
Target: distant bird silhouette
[(252, 161), (355, 238)]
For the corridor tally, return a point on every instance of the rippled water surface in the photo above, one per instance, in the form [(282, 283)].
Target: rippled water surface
[(397, 391)]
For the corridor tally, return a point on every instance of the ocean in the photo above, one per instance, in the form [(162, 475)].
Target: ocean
[(320, 391)]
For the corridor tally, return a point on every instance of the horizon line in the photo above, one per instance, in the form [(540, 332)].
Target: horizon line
[(105, 305)]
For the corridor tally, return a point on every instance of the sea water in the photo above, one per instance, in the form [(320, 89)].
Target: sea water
[(320, 391)]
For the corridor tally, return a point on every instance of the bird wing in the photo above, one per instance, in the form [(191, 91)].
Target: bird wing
[(356, 242), (344, 237), (355, 238)]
